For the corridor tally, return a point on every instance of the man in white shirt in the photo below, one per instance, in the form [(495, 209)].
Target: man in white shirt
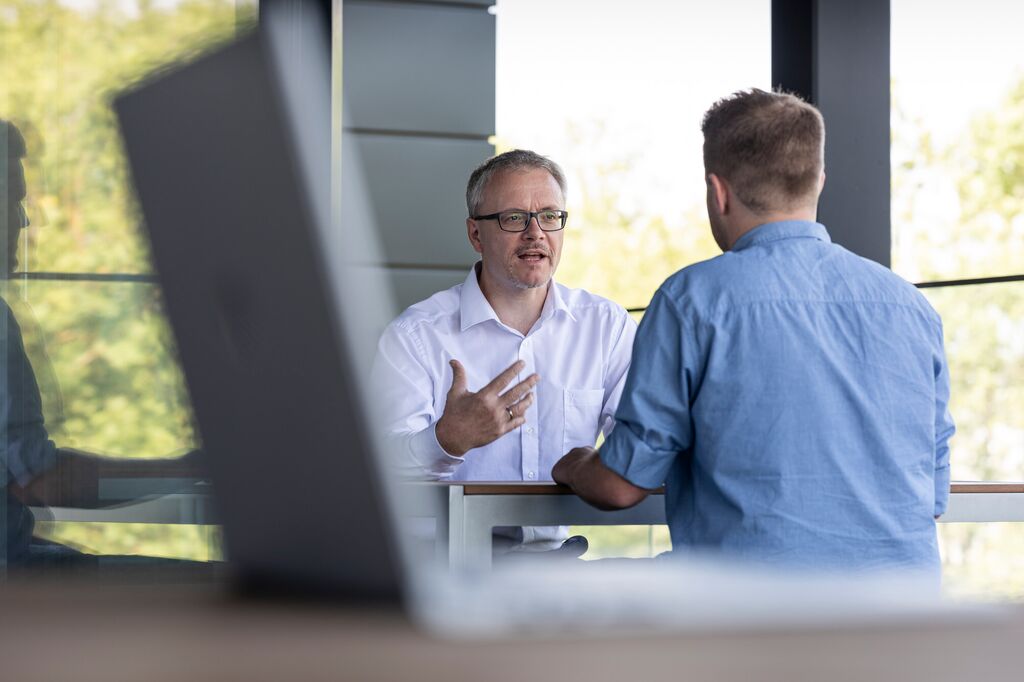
[(495, 378)]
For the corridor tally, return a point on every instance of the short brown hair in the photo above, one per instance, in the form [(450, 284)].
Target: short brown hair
[(517, 159), (769, 146)]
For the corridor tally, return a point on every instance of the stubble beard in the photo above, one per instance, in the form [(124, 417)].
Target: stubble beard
[(520, 284)]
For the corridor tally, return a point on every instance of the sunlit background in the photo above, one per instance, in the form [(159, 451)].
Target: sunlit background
[(614, 92)]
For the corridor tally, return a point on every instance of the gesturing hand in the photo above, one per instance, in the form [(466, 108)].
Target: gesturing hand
[(474, 419)]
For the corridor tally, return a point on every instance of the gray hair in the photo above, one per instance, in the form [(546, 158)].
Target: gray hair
[(517, 159)]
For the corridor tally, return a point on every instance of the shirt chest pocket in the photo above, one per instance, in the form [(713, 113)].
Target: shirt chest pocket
[(582, 416)]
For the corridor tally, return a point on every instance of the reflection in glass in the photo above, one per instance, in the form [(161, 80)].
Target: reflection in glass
[(40, 470), (62, 62), (112, 385), (94, 343)]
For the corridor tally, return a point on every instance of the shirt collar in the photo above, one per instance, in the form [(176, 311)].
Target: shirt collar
[(785, 229), (474, 307), (555, 302)]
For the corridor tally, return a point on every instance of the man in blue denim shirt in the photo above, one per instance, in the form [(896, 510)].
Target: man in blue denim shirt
[(790, 395)]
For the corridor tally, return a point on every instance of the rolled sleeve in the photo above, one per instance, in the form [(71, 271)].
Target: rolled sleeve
[(653, 421), (629, 456), (28, 454)]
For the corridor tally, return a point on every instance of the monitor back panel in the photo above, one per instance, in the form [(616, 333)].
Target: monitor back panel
[(240, 244)]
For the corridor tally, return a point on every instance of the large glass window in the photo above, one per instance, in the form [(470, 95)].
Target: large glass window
[(615, 93), (81, 290), (958, 217), (957, 140)]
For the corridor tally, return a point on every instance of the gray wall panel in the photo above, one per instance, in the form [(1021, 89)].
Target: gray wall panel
[(413, 188), (410, 286), (419, 68), (419, 105)]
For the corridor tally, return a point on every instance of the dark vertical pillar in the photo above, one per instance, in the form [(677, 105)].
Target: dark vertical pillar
[(836, 54), (792, 46)]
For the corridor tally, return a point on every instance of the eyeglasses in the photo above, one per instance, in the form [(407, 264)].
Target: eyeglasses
[(519, 221)]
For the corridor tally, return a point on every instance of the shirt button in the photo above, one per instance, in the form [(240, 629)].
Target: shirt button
[(531, 475), (529, 429)]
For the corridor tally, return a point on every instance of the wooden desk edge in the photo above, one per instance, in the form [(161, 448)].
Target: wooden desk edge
[(506, 488)]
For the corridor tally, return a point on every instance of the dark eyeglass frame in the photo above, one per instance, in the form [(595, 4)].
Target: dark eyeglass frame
[(530, 215)]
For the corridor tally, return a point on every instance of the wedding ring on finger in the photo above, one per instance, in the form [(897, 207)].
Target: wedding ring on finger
[(511, 415)]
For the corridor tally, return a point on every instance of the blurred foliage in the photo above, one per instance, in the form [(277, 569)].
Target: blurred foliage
[(958, 212), (633, 542), (984, 330), (197, 543), (104, 357), (614, 246), (983, 560)]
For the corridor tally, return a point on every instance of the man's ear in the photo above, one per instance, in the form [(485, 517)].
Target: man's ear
[(719, 194), (821, 181), (473, 232)]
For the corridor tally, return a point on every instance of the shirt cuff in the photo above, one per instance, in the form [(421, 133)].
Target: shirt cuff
[(629, 456), (30, 453), (429, 454)]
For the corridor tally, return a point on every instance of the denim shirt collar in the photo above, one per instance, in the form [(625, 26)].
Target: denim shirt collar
[(785, 229)]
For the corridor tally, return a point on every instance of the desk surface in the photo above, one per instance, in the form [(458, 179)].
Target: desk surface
[(83, 632), (548, 488)]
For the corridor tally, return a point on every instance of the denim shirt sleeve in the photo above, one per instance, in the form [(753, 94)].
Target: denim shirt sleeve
[(944, 429), (653, 422)]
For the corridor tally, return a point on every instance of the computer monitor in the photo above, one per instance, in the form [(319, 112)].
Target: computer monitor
[(272, 313)]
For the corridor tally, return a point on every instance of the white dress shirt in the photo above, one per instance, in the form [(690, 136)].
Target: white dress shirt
[(580, 348)]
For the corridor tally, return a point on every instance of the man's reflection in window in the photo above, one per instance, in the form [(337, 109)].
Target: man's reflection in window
[(27, 451), (36, 472)]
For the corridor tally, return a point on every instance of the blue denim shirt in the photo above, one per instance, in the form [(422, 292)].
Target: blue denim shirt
[(792, 397)]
